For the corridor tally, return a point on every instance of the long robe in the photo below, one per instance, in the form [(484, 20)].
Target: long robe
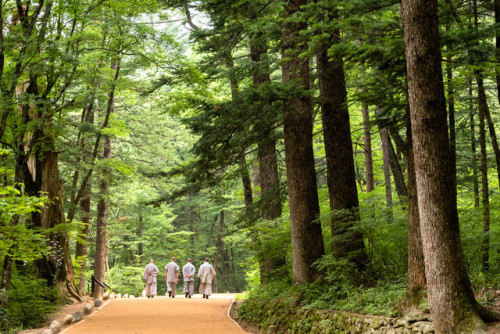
[(188, 272), (206, 274), (171, 278), (150, 274)]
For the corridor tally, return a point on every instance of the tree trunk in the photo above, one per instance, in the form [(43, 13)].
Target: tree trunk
[(103, 204), (451, 299), (497, 44), (341, 176), (6, 281), (451, 116), (102, 223), (270, 199), (7, 262), (384, 138), (140, 231), (81, 247), (416, 265), (473, 148), (483, 106), (220, 248), (233, 268), (397, 173), (306, 235), (367, 140)]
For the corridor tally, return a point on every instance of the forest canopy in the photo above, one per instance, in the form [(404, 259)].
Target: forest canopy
[(342, 154)]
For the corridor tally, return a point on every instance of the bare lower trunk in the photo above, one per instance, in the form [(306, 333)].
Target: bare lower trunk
[(101, 221), (451, 300), (53, 215), (306, 234), (415, 288)]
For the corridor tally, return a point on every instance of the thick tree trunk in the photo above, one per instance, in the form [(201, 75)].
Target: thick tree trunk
[(451, 299), (270, 200), (483, 106), (347, 239), (416, 265), (53, 215), (102, 223), (307, 238)]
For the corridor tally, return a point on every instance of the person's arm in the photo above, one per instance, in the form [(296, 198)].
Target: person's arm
[(177, 275), (166, 272)]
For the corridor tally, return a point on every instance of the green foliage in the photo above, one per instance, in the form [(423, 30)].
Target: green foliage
[(126, 279), (30, 301)]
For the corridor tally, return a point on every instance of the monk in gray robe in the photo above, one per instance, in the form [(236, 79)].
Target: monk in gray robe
[(188, 271), (206, 275), (171, 277), (150, 274)]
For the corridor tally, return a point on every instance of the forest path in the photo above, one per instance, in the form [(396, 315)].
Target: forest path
[(161, 315)]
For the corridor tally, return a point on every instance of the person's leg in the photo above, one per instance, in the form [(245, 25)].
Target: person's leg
[(148, 289), (186, 288), (174, 289), (208, 290), (169, 289), (191, 288), (202, 288)]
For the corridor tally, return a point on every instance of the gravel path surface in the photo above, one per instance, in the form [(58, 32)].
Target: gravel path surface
[(161, 315)]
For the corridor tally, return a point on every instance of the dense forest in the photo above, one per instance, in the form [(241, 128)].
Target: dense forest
[(342, 154)]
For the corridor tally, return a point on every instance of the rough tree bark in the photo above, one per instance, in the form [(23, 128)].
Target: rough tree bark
[(341, 176), (451, 299), (307, 239), (416, 282), (268, 166)]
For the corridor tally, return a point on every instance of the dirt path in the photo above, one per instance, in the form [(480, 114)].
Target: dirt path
[(161, 315)]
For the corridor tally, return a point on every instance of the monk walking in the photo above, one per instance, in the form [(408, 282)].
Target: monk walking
[(150, 274), (206, 275), (171, 277), (188, 271)]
